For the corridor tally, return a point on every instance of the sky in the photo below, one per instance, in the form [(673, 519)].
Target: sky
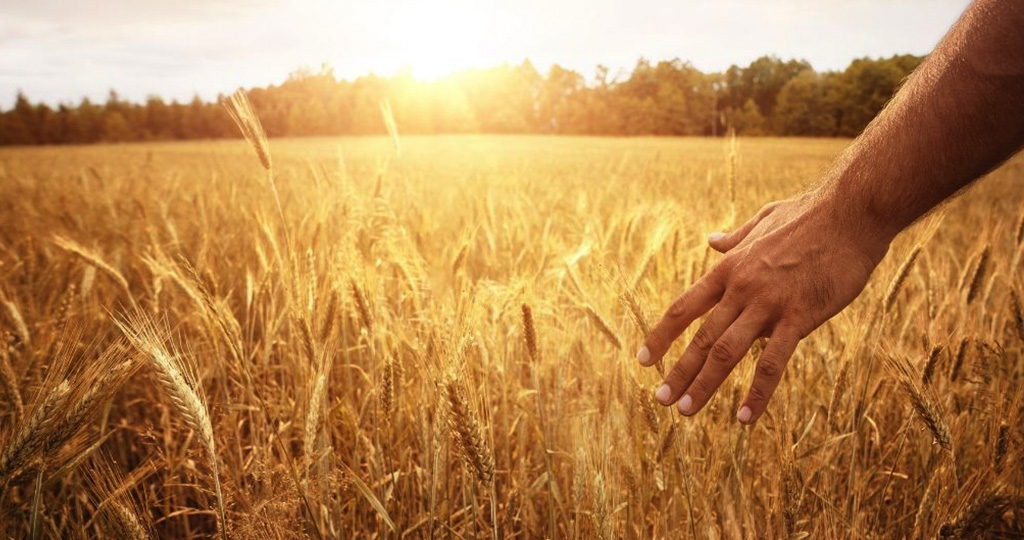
[(58, 51)]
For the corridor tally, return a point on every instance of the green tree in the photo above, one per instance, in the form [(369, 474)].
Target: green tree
[(860, 92), (802, 107), (747, 120)]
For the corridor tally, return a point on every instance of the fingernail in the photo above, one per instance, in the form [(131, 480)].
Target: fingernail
[(716, 235), (685, 404), (664, 392), (644, 356), (745, 415)]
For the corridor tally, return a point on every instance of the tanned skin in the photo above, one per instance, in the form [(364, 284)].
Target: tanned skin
[(800, 261)]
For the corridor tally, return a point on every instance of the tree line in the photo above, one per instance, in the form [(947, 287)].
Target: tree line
[(767, 97)]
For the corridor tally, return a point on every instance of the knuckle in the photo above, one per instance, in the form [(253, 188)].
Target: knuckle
[(759, 394), (678, 307), (763, 301), (742, 281), (678, 373), (723, 352), (702, 339), (770, 369), (721, 270)]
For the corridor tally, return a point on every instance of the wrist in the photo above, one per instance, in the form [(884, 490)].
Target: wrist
[(856, 221)]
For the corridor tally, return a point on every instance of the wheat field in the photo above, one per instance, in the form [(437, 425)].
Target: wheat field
[(435, 337)]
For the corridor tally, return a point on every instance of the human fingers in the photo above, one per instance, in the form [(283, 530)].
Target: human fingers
[(693, 303), (723, 356), (723, 242), (768, 373), (690, 363)]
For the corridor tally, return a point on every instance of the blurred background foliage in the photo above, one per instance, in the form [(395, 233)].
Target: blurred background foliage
[(768, 97)]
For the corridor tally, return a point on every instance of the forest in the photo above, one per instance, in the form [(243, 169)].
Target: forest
[(769, 96)]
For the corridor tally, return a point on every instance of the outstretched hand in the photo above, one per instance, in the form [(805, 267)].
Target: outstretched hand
[(786, 271)]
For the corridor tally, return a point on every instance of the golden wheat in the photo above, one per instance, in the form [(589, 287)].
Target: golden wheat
[(923, 400), (176, 377), (421, 338)]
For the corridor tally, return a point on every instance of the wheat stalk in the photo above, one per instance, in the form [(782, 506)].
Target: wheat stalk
[(115, 506), (632, 303), (241, 111), (530, 334), (131, 527), (1018, 236), (645, 407), (924, 509), (391, 126), (9, 381), (925, 404), (1017, 311), (362, 306), (96, 261), (980, 516), (327, 327), (316, 403), (464, 428), (602, 326), (175, 376), (19, 322), (901, 276), (839, 389), (109, 372), (958, 359), (929, 367), (980, 270), (31, 438), (387, 388), (1002, 445)]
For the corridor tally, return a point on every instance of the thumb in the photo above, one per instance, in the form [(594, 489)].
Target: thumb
[(723, 242)]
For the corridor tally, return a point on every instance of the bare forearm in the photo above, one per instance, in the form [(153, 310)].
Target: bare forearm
[(798, 262), (957, 117)]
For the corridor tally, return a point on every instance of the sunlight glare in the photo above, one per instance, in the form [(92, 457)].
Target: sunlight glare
[(430, 39), (437, 38)]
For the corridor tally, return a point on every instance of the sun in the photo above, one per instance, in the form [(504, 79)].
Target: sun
[(435, 38), (431, 39), (449, 35)]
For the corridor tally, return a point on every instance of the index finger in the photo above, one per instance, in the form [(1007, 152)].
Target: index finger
[(693, 303)]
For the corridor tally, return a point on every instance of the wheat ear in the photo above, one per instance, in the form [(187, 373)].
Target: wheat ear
[(924, 509), (1017, 311), (19, 322), (316, 403), (33, 434), (929, 367), (464, 427), (9, 382), (980, 271), (922, 399), (95, 260), (248, 123), (980, 516), (530, 334), (900, 278), (842, 384), (173, 373), (602, 326)]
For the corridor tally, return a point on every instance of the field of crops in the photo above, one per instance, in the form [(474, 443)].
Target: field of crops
[(438, 340)]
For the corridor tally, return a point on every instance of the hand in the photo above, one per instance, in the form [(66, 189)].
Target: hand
[(786, 271)]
